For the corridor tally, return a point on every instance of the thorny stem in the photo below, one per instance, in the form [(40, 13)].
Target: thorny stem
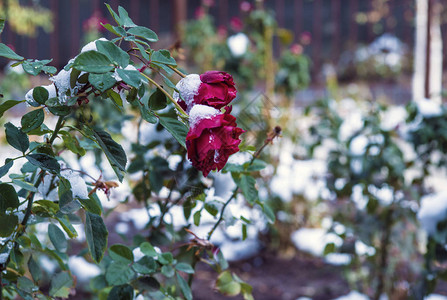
[(276, 132), (179, 108)]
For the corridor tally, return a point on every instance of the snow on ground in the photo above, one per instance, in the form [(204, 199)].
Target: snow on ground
[(433, 209), (83, 270), (353, 295), (435, 297)]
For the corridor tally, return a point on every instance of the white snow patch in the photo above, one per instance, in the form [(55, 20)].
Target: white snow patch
[(92, 45), (137, 254), (78, 185), (122, 228), (238, 44), (83, 270), (314, 240), (435, 297), (239, 250), (428, 108), (138, 216), (433, 210), (199, 112), (353, 295), (188, 87)]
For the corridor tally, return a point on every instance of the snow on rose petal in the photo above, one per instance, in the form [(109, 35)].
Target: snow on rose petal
[(212, 138)]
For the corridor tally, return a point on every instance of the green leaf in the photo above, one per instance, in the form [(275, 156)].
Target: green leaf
[(119, 273), (145, 265), (16, 137), (131, 77), (184, 287), (57, 238), (91, 205), (44, 162), (142, 50), (7, 105), (115, 97), (8, 224), (93, 62), (178, 129), (61, 285), (124, 16), (5, 169), (165, 258), (197, 215), (121, 292), (168, 271), (34, 269), (157, 100), (113, 151), (59, 110), (257, 165), (7, 52), (163, 57), (148, 283), (143, 32), (24, 185), (114, 15), (184, 267), (113, 52), (244, 232), (146, 114), (227, 285), (8, 197), (67, 226), (269, 213), (96, 234), (148, 249), (40, 94), (32, 120), (34, 67), (102, 82), (247, 184), (121, 253), (212, 207), (72, 143), (98, 283), (26, 285), (74, 74)]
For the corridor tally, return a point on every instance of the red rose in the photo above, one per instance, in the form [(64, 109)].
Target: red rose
[(212, 138), (217, 89)]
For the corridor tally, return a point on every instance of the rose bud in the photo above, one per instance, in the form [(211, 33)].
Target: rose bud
[(212, 138), (212, 88)]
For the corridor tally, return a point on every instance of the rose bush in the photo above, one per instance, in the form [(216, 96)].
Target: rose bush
[(64, 179)]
